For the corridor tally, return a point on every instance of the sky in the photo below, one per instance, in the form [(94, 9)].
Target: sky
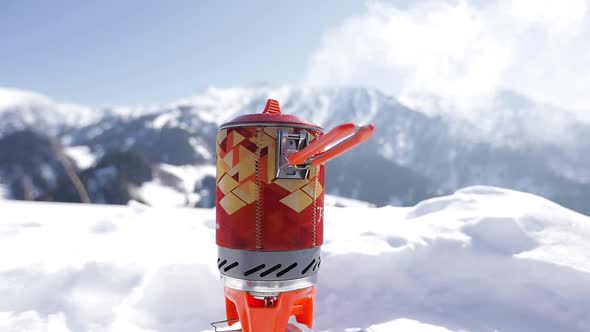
[(135, 51), (461, 51)]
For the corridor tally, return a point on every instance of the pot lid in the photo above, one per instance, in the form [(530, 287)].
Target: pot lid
[(271, 116)]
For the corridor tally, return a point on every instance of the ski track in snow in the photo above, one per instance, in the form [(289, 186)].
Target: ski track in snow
[(483, 259)]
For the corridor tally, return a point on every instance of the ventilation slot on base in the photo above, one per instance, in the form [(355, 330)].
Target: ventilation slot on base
[(254, 270), (308, 267), (287, 269), (271, 270), (231, 266)]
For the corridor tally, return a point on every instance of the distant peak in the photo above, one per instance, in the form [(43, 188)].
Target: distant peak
[(10, 97)]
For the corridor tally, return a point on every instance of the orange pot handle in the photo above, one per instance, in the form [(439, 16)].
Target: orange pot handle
[(349, 135)]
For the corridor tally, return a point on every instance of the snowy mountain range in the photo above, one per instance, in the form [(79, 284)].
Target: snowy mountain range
[(414, 155), (483, 259)]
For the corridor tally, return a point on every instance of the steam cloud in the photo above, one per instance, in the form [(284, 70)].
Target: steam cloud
[(463, 51)]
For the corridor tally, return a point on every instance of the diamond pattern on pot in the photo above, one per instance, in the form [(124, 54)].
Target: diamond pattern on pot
[(231, 203), (297, 200), (238, 150)]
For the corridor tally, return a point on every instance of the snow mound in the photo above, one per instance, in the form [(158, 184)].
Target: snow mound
[(482, 259)]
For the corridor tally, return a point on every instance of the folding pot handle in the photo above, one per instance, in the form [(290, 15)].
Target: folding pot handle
[(342, 138)]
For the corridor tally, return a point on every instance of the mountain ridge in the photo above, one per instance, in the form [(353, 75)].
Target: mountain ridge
[(413, 155)]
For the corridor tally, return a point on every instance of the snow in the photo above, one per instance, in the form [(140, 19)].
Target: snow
[(406, 325), (482, 259), (200, 149), (332, 200), (155, 193), (33, 110), (82, 156), (218, 105), (189, 177), (10, 97), (162, 120), (190, 174)]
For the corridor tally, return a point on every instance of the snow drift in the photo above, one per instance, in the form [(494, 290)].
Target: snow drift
[(482, 259)]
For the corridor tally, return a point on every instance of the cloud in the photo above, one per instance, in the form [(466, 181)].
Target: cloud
[(463, 51)]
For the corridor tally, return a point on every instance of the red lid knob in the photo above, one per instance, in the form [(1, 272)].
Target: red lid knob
[(272, 107)]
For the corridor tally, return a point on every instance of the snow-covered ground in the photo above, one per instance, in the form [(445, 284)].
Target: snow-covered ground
[(337, 201), (483, 259)]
